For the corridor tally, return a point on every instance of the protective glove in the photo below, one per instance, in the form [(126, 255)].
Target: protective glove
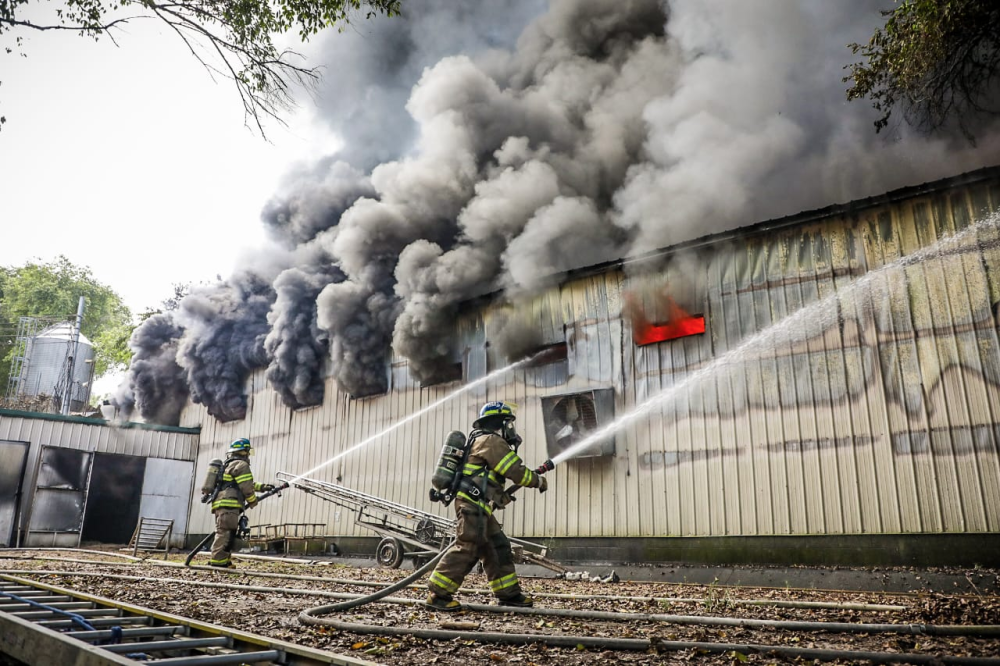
[(266, 487), (543, 485), (502, 501)]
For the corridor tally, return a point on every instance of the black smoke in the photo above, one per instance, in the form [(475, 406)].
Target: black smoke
[(156, 385), (491, 147)]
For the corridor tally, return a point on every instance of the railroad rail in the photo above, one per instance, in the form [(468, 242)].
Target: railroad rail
[(43, 625), (405, 531)]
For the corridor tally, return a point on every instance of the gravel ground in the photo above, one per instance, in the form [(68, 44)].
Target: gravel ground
[(276, 613)]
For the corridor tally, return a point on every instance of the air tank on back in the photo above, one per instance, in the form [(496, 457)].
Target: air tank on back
[(45, 367)]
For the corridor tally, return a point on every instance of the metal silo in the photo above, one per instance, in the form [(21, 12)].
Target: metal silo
[(45, 369)]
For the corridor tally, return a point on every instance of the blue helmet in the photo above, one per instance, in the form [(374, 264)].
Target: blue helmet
[(241, 445), (504, 411)]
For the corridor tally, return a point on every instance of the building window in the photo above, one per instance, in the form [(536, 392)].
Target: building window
[(678, 323), (446, 372), (548, 355)]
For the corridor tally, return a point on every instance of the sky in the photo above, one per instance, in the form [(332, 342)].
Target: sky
[(133, 161)]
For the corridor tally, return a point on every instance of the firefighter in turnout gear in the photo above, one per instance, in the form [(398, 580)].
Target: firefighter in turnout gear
[(235, 492), (492, 458)]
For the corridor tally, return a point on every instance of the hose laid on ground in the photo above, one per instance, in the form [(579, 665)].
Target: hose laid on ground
[(547, 595), (76, 550), (398, 585), (354, 600), (645, 645), (574, 641), (196, 549)]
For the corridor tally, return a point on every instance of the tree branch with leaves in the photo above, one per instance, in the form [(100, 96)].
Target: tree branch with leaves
[(937, 60), (234, 39)]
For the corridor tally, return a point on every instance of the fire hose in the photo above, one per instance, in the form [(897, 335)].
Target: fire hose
[(308, 616), (643, 644), (243, 531)]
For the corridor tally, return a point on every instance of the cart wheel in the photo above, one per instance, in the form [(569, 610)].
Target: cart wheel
[(389, 553)]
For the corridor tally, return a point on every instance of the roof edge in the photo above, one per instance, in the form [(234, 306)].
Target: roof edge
[(45, 416), (804, 217)]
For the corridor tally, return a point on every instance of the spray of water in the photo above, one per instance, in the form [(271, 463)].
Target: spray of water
[(810, 321), (398, 424)]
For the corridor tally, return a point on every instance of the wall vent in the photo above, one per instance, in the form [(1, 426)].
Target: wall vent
[(571, 417)]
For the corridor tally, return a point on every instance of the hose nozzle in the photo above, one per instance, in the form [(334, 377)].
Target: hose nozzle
[(546, 466)]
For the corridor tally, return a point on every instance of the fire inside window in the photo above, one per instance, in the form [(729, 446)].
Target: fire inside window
[(679, 324), (690, 325)]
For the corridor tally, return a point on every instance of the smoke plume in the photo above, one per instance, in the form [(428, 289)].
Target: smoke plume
[(155, 385), (491, 148)]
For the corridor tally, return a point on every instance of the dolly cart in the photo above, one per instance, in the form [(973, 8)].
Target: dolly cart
[(405, 531)]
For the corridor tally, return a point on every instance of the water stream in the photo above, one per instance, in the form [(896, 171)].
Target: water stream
[(810, 321), (434, 405)]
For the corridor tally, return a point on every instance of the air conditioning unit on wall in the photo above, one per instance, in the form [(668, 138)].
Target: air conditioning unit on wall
[(571, 417)]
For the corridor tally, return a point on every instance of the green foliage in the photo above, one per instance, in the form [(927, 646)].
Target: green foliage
[(718, 599), (53, 291), (231, 38), (936, 59)]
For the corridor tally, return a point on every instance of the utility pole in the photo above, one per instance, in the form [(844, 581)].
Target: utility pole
[(74, 342)]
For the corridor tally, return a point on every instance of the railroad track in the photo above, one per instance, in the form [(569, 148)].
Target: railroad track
[(44, 625)]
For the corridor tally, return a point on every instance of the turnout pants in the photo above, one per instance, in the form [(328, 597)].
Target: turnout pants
[(226, 522), (479, 538)]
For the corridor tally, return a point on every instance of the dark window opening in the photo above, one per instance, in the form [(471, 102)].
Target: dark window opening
[(446, 372), (548, 355)]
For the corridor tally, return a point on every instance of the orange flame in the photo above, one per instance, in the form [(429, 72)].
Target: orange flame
[(678, 323)]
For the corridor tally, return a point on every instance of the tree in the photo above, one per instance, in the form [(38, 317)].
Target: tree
[(232, 38), (53, 291), (937, 59)]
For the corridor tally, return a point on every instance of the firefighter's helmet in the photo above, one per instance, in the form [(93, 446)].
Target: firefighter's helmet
[(241, 447), (495, 412)]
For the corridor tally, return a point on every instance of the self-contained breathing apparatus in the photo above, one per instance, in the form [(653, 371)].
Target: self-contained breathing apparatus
[(212, 484), (448, 477)]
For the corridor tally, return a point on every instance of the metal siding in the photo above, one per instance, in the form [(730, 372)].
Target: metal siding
[(884, 422)]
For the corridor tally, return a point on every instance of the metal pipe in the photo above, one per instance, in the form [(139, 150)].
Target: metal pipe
[(75, 550), (74, 343)]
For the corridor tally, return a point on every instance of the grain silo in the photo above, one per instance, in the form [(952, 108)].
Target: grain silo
[(46, 367)]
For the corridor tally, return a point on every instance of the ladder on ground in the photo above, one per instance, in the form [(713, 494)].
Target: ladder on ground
[(152, 534), (44, 625)]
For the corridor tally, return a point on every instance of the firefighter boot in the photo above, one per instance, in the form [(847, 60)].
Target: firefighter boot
[(446, 604), (520, 601)]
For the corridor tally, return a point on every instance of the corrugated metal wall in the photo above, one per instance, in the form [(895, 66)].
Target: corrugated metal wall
[(835, 390)]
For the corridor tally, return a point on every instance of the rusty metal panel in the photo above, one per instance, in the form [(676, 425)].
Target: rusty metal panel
[(881, 417)]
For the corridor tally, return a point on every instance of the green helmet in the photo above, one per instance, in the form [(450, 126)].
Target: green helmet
[(241, 446)]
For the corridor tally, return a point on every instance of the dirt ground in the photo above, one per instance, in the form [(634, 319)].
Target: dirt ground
[(275, 613)]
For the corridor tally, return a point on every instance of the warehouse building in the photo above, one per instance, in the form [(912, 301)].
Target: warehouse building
[(862, 430)]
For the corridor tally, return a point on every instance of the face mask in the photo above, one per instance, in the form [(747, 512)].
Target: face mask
[(510, 434)]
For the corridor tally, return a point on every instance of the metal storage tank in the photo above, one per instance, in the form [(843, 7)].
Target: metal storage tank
[(44, 372)]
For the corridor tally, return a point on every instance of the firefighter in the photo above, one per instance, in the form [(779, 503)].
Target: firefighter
[(479, 537), (237, 492)]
